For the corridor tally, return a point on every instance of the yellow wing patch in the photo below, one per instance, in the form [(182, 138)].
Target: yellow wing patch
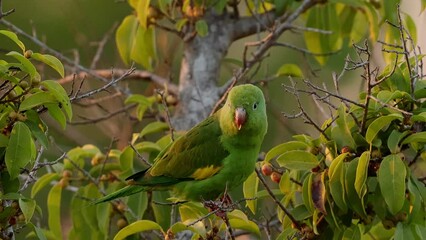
[(206, 172)]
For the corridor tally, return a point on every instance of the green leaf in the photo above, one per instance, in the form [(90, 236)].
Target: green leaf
[(336, 175), (124, 37), (138, 98), (90, 212), (27, 207), (42, 182), (38, 231), (285, 147), (323, 17), (12, 36), (289, 70), (37, 127), (245, 225), (147, 147), (50, 60), (202, 28), (154, 127), (36, 100), (342, 132), (393, 140), (411, 27), (142, 11), (144, 49), (18, 152), (391, 176), (54, 210), (103, 212), (60, 94), (297, 160), (126, 160), (416, 137), (380, 123), (373, 19), (352, 233), (404, 231), (250, 187), (181, 23), (138, 226), (8, 185), (138, 203), (307, 193), (56, 113), (355, 202), (26, 64), (362, 173)]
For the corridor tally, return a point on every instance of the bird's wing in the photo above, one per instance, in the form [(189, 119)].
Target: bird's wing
[(197, 155)]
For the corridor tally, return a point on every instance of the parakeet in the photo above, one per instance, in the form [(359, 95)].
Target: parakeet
[(215, 156)]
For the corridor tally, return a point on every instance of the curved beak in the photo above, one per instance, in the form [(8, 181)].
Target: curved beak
[(240, 117)]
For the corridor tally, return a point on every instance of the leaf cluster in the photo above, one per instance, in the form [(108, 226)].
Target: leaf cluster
[(24, 96)]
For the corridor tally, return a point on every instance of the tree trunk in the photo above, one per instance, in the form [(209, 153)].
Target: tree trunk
[(199, 74)]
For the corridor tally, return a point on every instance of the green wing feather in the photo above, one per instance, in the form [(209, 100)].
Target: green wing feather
[(199, 148)]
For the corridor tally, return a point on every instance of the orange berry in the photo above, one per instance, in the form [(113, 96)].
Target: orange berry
[(267, 169), (121, 223), (276, 177)]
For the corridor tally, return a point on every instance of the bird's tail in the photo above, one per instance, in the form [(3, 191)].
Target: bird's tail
[(124, 192)]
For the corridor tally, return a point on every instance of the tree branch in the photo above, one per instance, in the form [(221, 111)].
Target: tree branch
[(247, 26), (136, 74)]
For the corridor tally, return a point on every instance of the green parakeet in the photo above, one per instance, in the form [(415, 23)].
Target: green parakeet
[(216, 155)]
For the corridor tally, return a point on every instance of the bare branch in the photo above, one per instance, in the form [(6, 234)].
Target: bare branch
[(136, 74), (166, 109), (247, 26), (296, 223), (103, 118), (4, 14), (101, 46), (103, 88)]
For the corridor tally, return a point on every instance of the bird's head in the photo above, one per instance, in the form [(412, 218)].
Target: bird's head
[(246, 106)]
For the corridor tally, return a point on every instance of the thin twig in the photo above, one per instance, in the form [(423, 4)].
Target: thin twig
[(280, 205), (103, 118), (168, 116)]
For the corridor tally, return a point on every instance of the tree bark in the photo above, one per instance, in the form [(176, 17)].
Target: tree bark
[(199, 74)]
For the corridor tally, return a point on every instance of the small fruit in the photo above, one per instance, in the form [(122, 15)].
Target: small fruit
[(15, 205), (171, 100), (12, 95), (66, 174), (12, 221), (97, 159), (121, 207), (153, 13), (23, 84), (36, 82), (345, 149), (104, 177), (121, 223), (64, 182), (267, 169), (21, 218), (13, 115), (28, 54), (21, 117), (388, 224), (276, 177)]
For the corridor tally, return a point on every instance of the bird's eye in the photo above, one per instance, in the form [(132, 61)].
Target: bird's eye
[(255, 106)]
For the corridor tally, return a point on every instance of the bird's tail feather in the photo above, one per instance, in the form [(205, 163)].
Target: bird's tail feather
[(124, 192)]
